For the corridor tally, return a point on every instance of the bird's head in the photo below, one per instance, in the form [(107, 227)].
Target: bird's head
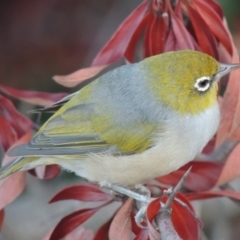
[(186, 80)]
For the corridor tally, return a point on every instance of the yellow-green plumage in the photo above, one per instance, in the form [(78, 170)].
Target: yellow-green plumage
[(180, 86), (134, 123)]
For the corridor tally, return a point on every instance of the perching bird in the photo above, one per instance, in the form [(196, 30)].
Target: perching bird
[(132, 124)]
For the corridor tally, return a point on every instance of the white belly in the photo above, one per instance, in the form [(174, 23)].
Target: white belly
[(182, 141)]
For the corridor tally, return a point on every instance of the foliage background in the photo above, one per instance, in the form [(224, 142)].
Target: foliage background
[(40, 39)]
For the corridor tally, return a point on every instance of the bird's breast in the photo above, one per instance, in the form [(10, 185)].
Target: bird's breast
[(177, 142)]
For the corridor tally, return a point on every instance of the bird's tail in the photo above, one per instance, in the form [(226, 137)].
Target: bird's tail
[(21, 163)]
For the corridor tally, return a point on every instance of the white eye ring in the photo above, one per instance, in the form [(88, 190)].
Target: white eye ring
[(202, 84)]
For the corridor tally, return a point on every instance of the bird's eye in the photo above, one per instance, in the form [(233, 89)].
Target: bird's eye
[(202, 84)]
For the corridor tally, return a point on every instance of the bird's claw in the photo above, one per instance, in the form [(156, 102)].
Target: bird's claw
[(141, 216), (141, 194)]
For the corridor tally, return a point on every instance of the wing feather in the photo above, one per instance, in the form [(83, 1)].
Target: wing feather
[(100, 118)]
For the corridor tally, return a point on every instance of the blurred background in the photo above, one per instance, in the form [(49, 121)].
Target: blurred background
[(40, 39)]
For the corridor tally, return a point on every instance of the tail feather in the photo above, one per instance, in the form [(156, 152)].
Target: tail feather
[(16, 165)]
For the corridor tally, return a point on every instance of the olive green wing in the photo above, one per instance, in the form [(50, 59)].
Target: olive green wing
[(79, 128), (115, 114)]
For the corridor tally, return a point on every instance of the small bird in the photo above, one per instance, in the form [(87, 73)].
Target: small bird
[(132, 124)]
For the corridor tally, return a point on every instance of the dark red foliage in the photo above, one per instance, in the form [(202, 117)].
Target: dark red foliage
[(164, 29), (7, 135), (45, 172), (1, 218), (72, 221), (120, 227), (82, 192), (13, 124), (143, 235), (214, 21), (102, 233), (203, 175), (207, 42), (154, 27), (135, 228), (33, 97), (116, 47), (213, 194), (183, 222)]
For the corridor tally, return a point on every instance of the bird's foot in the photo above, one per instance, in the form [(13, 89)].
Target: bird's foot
[(140, 193), (140, 216), (141, 189), (129, 192)]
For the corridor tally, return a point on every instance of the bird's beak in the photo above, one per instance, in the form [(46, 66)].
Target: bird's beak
[(225, 69)]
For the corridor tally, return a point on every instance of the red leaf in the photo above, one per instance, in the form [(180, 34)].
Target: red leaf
[(82, 192), (147, 36), (79, 233), (79, 76), (73, 220), (203, 175), (135, 228), (129, 53), (12, 186), (171, 42), (224, 57), (143, 235), (24, 139), (208, 149), (214, 21), (183, 221), (7, 134), (152, 210), (117, 45), (51, 171), (18, 122), (1, 218), (120, 227), (231, 169), (102, 233), (183, 38), (45, 172), (213, 194), (217, 8), (158, 33), (33, 97), (155, 34), (230, 107), (206, 39)]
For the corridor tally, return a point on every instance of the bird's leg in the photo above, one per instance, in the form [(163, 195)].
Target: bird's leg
[(128, 192), (142, 195), (142, 190), (141, 215), (142, 206)]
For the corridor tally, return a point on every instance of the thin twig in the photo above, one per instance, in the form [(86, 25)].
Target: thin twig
[(176, 189), (184, 205), (163, 218)]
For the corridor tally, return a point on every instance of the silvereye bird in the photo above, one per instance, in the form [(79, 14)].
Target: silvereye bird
[(132, 124)]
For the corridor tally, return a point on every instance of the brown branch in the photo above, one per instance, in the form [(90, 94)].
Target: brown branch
[(165, 225), (163, 218)]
